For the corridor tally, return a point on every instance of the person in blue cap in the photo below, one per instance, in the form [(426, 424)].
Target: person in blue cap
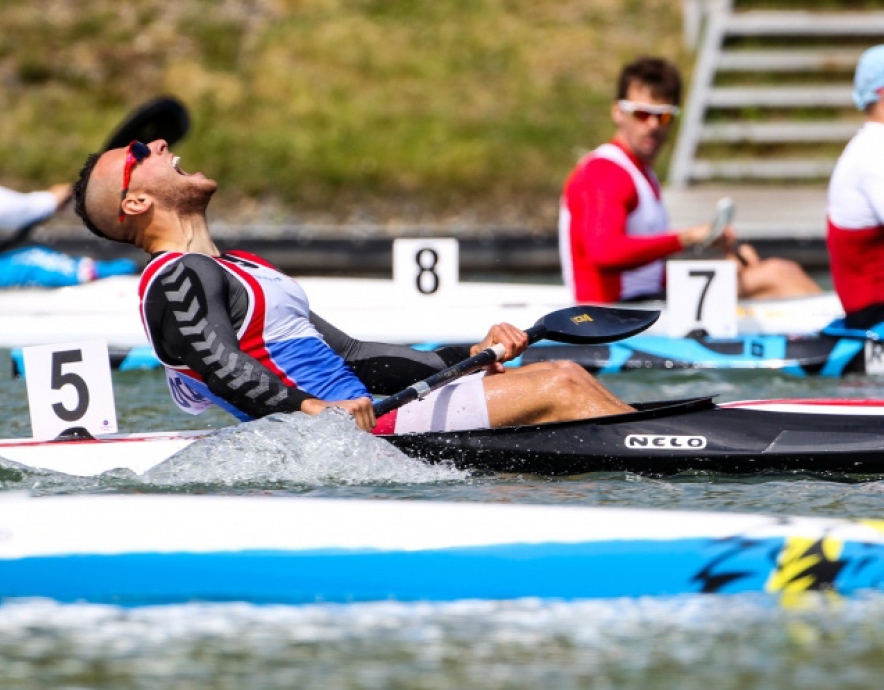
[(855, 206), (42, 266)]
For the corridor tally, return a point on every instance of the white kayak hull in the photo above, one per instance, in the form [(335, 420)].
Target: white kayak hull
[(367, 309), (90, 457), (153, 549)]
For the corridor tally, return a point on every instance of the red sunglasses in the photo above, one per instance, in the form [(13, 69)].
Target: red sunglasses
[(136, 153), (644, 111)]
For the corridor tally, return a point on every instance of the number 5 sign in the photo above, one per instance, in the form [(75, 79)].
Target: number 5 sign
[(701, 295), (69, 385)]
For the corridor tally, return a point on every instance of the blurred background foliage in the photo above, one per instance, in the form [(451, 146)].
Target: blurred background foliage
[(334, 110)]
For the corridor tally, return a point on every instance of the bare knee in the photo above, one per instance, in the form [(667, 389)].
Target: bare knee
[(779, 266), (579, 394), (776, 277), (554, 367), (547, 392), (568, 383), (567, 368)]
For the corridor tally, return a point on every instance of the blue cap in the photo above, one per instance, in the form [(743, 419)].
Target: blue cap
[(869, 77)]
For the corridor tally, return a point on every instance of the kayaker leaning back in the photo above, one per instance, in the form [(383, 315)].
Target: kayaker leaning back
[(232, 330)]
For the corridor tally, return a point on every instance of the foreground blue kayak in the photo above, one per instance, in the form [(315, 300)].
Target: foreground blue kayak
[(161, 549)]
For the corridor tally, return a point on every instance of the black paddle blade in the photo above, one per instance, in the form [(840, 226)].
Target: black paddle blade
[(590, 324), (162, 118)]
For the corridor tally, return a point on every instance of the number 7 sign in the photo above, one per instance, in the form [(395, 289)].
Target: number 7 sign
[(69, 385), (701, 295)]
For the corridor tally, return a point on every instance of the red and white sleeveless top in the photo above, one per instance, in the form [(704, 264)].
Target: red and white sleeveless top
[(855, 213), (647, 220), (275, 330)]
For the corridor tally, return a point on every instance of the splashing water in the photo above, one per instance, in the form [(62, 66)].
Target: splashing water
[(295, 449), (278, 452)]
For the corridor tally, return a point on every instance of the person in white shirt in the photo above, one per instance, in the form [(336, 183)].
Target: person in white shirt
[(42, 266), (855, 206)]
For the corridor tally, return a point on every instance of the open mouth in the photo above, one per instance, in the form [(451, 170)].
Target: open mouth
[(176, 160)]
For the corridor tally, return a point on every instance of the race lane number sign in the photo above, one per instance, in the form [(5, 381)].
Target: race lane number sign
[(701, 295), (69, 385), (874, 356), (425, 267)]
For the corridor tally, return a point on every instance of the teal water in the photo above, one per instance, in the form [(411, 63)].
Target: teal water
[(687, 642)]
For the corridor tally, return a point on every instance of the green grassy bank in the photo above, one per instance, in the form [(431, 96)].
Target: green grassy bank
[(333, 110)]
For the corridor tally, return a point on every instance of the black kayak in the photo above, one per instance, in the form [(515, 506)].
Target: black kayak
[(843, 437), (827, 437)]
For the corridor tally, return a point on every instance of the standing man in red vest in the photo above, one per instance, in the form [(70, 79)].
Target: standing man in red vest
[(614, 232)]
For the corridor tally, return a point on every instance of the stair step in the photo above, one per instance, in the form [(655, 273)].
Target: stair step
[(798, 60), (779, 132), (781, 96), (762, 168), (798, 23), (828, 43)]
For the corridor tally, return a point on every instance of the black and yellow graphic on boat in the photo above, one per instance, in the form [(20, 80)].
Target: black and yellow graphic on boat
[(806, 564)]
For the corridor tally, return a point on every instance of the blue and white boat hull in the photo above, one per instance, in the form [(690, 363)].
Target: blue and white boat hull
[(143, 550)]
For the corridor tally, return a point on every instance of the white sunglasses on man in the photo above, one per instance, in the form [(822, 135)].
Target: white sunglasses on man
[(644, 111)]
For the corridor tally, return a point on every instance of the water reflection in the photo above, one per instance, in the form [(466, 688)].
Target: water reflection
[(694, 642)]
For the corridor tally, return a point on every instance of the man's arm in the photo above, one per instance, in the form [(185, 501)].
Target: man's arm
[(383, 368), (18, 209), (187, 314)]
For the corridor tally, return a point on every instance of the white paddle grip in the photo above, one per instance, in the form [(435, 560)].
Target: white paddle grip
[(422, 389), (499, 351)]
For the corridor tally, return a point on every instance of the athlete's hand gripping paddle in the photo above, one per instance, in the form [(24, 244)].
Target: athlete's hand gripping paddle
[(161, 118), (724, 215), (581, 325)]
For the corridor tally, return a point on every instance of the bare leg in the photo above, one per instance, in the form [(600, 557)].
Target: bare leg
[(547, 392)]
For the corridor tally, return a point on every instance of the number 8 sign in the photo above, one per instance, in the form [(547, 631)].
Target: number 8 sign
[(425, 268), (69, 385)]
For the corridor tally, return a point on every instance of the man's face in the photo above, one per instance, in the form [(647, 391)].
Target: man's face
[(161, 174), (642, 133)]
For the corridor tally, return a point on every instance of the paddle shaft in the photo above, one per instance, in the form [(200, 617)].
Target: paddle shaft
[(468, 366)]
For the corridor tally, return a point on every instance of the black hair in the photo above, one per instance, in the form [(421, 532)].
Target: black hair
[(659, 74), (80, 195)]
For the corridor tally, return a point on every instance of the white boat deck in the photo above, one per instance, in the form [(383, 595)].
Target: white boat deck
[(368, 309)]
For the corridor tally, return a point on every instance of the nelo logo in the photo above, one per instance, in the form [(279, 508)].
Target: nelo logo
[(669, 442)]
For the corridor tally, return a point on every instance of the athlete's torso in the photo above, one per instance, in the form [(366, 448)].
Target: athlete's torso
[(855, 213), (269, 314), (648, 218)]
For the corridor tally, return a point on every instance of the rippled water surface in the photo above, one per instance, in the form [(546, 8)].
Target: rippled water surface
[(688, 642)]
